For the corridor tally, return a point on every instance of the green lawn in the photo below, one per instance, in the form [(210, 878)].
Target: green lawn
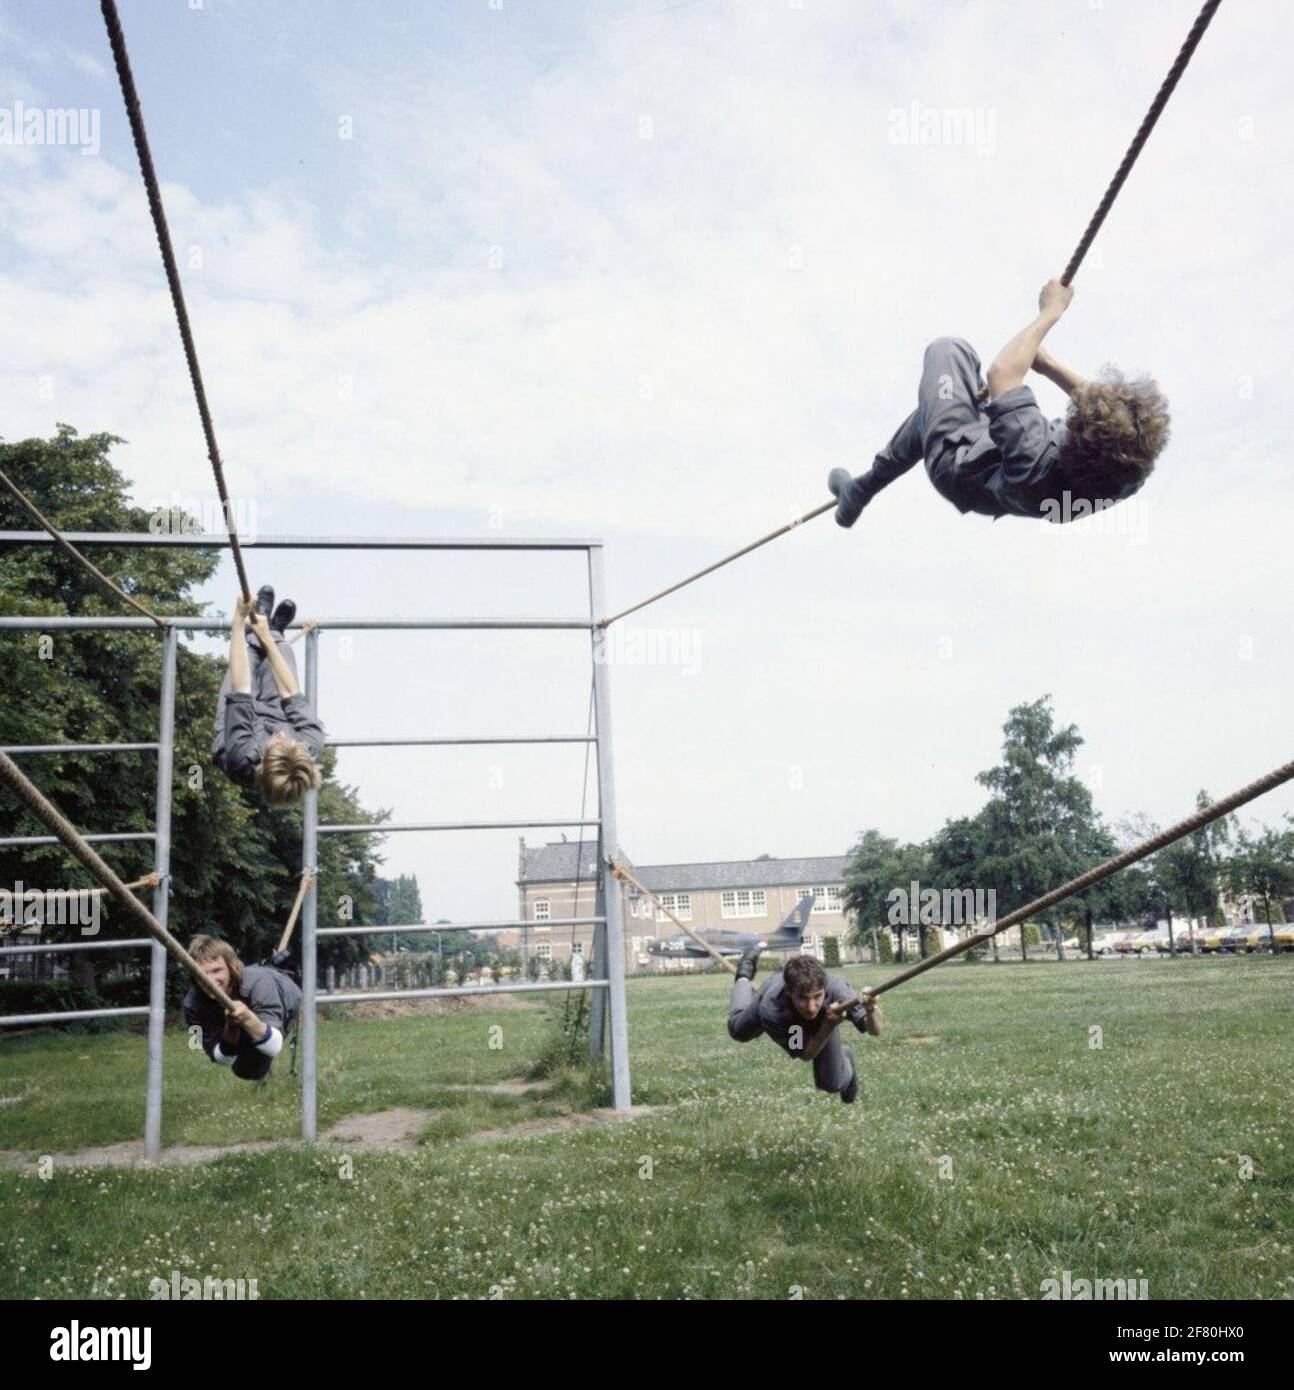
[(992, 1147)]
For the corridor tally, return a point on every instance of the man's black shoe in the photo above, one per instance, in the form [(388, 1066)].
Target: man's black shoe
[(748, 964), (850, 1094), (283, 615), (265, 600)]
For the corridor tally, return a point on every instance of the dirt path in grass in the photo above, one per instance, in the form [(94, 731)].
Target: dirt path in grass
[(382, 1131)]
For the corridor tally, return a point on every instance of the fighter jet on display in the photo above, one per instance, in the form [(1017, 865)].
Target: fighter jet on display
[(789, 936)]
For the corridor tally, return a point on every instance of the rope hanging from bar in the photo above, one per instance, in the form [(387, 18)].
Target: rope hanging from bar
[(122, 60), (1098, 217)]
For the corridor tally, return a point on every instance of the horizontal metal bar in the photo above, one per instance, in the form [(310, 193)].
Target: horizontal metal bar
[(14, 749), (453, 742), (203, 542), (451, 825), (52, 947), (219, 624), (23, 1020), (359, 997), (459, 926), (25, 841)]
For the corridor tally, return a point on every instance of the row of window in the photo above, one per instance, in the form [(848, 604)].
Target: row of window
[(733, 903)]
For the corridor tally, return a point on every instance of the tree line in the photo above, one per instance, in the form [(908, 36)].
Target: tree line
[(1038, 829)]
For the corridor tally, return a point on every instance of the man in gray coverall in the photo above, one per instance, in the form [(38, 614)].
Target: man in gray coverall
[(267, 734), (793, 1008), (266, 1001), (989, 449)]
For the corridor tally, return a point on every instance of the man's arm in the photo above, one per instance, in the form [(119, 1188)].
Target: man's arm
[(1056, 372), (240, 666), (1017, 356)]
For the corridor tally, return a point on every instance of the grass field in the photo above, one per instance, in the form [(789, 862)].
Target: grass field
[(993, 1146)]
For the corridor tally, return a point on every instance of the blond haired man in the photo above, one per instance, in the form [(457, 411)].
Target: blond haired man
[(265, 1002), (266, 733)]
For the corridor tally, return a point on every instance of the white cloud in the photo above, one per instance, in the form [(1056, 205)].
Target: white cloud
[(686, 331)]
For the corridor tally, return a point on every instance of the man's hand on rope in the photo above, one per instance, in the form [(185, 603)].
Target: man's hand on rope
[(242, 1019), (1054, 298)]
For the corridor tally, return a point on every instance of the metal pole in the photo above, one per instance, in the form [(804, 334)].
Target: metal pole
[(161, 898), (608, 844), (310, 920)]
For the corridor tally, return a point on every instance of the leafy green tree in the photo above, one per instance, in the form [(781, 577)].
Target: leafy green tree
[(1039, 826), (1262, 866), (957, 856), (878, 868), (1191, 871)]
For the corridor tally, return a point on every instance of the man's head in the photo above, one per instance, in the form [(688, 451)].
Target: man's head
[(1114, 432), (219, 962), (286, 771), (806, 985)]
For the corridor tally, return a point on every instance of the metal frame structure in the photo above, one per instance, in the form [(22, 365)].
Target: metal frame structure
[(606, 979)]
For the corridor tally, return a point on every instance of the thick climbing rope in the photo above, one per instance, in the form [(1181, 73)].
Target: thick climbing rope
[(1143, 134), (7, 895), (1206, 814), (46, 811), (307, 878), (122, 60), (719, 564), (1116, 183), (621, 872), (26, 502)]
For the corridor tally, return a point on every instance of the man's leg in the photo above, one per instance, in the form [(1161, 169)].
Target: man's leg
[(251, 1065), (743, 1012), (218, 734), (833, 1067), (947, 407), (264, 686)]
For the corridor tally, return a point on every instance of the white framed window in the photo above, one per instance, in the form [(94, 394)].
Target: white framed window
[(680, 904), (825, 899), (743, 902), (543, 950), (543, 910)]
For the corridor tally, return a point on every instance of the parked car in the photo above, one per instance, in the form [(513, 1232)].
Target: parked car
[(1213, 938), (1236, 940)]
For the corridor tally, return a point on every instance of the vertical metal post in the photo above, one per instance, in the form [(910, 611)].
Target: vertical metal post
[(309, 921), (161, 896), (598, 953), (598, 963), (613, 932)]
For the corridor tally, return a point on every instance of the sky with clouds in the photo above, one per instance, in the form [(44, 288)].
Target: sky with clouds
[(644, 272)]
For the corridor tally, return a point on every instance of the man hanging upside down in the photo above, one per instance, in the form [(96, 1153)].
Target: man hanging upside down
[(793, 1008), (989, 449), (265, 1002), (266, 733)]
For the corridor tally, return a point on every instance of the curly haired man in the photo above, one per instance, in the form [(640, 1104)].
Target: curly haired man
[(989, 449)]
